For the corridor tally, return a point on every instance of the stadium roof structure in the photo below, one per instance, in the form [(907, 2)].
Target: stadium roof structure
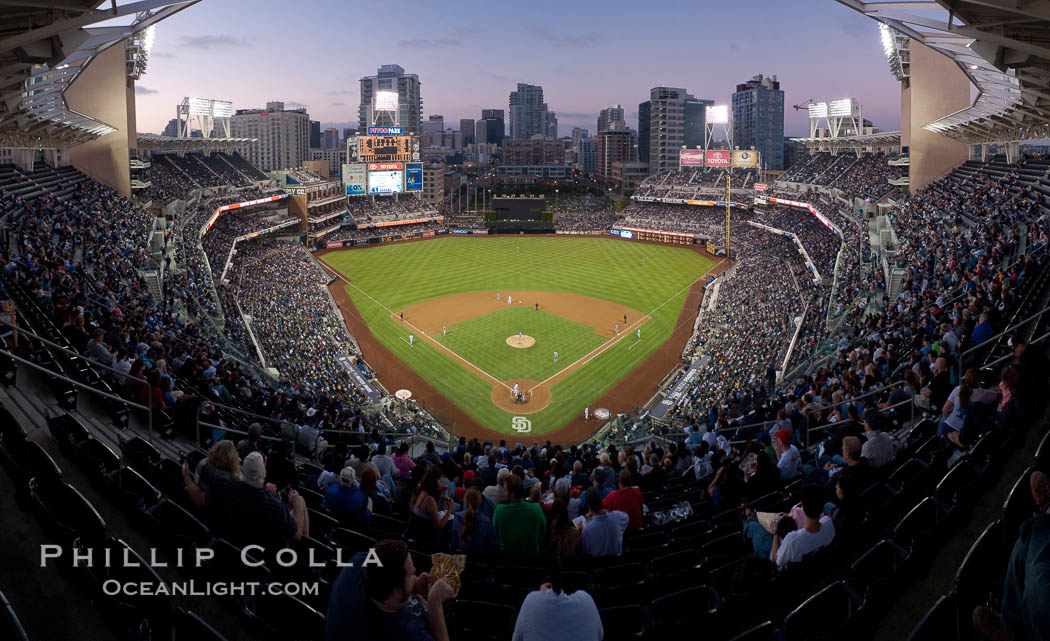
[(1003, 46), (43, 48), (154, 141), (881, 139)]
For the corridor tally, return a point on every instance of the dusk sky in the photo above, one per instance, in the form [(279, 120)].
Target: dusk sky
[(585, 55)]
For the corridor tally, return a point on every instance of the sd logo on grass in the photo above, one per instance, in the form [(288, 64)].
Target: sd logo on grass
[(521, 424)]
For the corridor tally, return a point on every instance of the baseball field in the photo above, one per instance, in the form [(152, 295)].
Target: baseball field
[(477, 318)]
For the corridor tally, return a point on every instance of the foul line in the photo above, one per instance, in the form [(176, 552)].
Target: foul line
[(421, 333), (635, 343), (593, 353)]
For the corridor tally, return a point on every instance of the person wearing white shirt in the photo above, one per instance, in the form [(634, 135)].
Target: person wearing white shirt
[(552, 613), (789, 460), (818, 531)]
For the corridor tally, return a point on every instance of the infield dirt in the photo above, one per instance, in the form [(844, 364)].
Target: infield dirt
[(633, 390)]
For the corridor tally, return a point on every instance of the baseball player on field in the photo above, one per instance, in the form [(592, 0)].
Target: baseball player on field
[(555, 357)]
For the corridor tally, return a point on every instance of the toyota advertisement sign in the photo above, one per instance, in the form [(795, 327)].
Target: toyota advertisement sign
[(721, 158)]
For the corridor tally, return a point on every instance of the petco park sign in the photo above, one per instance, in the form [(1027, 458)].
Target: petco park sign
[(384, 131)]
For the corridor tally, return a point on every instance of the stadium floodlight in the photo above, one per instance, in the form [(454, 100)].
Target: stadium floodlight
[(386, 101), (717, 114), (889, 44), (843, 107), (818, 110)]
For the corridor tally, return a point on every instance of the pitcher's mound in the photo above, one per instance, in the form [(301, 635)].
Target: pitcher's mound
[(524, 342), (535, 400)]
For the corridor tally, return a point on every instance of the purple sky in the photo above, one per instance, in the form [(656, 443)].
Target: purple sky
[(595, 54)]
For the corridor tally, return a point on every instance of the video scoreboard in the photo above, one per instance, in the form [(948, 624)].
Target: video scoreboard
[(384, 148)]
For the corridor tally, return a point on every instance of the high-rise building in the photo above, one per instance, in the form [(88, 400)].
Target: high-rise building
[(758, 119), (378, 105), (610, 115), (586, 155), (331, 138), (432, 131), (172, 128), (643, 131), (528, 112), (550, 125), (614, 145), (466, 127), (696, 121), (282, 136), (533, 152), (666, 127), (578, 134), (495, 127), (315, 134)]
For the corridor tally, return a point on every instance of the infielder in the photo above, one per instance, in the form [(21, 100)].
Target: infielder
[(444, 330), (497, 295), (639, 333), (617, 328), (519, 335), (508, 299), (586, 413), (625, 319), (555, 357), (410, 339)]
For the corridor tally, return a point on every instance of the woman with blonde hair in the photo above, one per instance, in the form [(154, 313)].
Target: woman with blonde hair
[(222, 464)]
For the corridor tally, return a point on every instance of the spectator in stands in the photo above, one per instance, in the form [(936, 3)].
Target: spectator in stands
[(851, 427), (552, 612), (246, 514), (1025, 609), (940, 386), (97, 350), (878, 447), (384, 462), (252, 442), (789, 460), (371, 601), (346, 502), (375, 489), (519, 524), (403, 461), (982, 331), (563, 540), (627, 499), (472, 531), (726, 488), (221, 464), (817, 532), (430, 508), (497, 493), (602, 533)]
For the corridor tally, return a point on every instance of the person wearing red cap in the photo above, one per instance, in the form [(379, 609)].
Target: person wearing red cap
[(789, 461)]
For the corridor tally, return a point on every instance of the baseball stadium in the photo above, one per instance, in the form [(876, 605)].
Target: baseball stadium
[(735, 364)]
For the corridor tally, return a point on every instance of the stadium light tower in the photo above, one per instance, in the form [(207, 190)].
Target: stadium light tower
[(843, 117), (207, 112), (385, 112), (717, 115)]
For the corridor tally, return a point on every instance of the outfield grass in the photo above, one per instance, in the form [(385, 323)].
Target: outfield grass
[(483, 342), (384, 280)]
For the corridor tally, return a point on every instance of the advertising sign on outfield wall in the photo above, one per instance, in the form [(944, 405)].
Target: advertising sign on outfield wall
[(722, 158), (333, 244), (691, 158)]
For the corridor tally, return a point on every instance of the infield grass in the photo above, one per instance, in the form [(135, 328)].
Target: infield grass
[(392, 277), (483, 341)]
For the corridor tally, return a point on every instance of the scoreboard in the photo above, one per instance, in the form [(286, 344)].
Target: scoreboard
[(384, 148)]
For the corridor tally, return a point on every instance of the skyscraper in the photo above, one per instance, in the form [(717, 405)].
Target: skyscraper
[(330, 138), (495, 127), (550, 125), (643, 131), (378, 105), (696, 121), (282, 136), (315, 134), (466, 127), (614, 145), (666, 127), (758, 119), (608, 116), (528, 112)]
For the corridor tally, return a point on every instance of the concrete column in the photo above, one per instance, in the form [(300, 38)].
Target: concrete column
[(937, 87)]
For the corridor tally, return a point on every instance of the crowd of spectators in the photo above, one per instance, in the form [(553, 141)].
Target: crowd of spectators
[(367, 210), (867, 178), (583, 213), (352, 233)]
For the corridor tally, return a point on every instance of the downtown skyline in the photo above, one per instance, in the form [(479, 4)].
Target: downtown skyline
[(587, 60)]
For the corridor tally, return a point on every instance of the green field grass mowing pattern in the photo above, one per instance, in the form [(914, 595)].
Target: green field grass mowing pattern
[(483, 342), (388, 278)]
